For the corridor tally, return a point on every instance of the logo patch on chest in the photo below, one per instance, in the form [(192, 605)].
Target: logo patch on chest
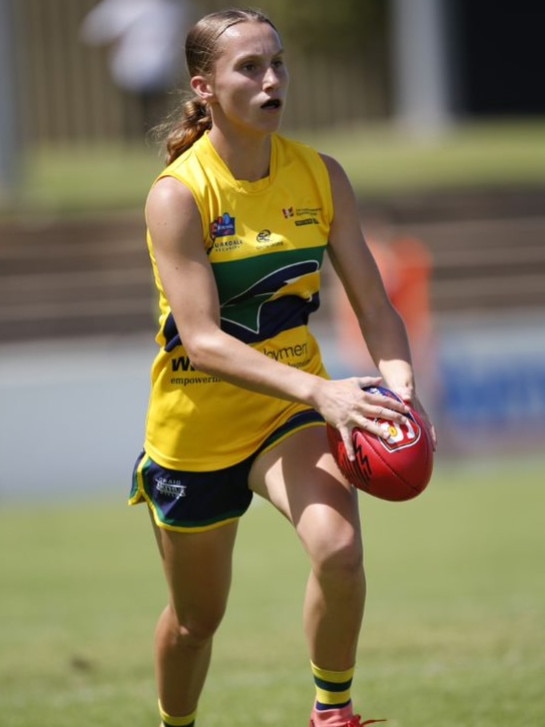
[(222, 226)]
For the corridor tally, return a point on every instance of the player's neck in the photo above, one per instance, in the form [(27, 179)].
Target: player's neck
[(248, 157)]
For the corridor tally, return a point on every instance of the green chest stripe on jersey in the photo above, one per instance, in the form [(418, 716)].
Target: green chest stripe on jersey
[(255, 291), (262, 296)]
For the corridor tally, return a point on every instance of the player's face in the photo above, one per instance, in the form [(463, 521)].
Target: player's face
[(250, 79)]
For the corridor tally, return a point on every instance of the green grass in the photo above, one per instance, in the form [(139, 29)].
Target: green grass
[(379, 160), (382, 160), (76, 179), (454, 629)]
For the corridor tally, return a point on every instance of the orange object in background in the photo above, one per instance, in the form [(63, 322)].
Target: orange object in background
[(406, 266)]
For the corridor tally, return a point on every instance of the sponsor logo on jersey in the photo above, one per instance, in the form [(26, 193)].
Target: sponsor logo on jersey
[(222, 226), (313, 211), (227, 245), (310, 214), (300, 211), (266, 238)]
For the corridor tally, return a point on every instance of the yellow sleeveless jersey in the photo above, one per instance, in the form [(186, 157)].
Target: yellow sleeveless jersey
[(265, 241)]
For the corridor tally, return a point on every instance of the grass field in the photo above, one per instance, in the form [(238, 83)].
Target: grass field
[(380, 159), (454, 631)]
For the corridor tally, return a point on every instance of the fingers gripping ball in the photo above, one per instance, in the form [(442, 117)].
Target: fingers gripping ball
[(398, 468)]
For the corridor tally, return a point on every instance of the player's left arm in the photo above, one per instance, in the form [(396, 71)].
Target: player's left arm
[(381, 325)]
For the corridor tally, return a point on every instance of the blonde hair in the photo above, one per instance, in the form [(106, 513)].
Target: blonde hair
[(190, 121)]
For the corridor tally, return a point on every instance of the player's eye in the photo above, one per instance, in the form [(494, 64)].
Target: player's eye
[(248, 67)]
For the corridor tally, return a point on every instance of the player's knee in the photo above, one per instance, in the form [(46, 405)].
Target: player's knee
[(195, 630), (341, 555)]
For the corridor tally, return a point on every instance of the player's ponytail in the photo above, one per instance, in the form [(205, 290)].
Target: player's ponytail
[(195, 120)]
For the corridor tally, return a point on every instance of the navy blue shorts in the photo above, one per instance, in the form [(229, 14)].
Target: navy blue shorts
[(193, 501)]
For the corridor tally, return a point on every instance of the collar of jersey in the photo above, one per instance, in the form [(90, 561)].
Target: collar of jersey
[(212, 158)]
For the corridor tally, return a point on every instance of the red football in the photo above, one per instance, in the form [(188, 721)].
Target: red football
[(397, 468)]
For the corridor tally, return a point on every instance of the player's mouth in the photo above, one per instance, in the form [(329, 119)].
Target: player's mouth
[(272, 103)]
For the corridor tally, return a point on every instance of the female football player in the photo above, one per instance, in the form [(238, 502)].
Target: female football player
[(238, 224)]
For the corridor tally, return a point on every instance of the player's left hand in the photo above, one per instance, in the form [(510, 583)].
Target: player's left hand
[(411, 398)]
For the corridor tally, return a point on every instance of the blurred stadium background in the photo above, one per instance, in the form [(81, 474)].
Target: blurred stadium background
[(442, 131)]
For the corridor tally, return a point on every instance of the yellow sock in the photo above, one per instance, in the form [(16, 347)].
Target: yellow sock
[(332, 687), (170, 721)]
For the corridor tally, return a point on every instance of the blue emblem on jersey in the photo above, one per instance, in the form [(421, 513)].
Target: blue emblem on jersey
[(222, 226)]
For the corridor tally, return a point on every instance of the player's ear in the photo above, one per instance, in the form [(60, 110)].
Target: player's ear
[(202, 87)]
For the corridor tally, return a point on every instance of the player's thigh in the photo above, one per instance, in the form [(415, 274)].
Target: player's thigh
[(300, 478), (198, 570)]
